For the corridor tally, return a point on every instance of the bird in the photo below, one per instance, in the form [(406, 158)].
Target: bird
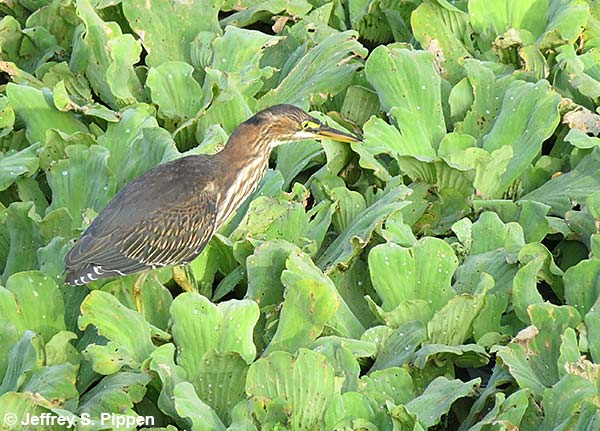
[(167, 215)]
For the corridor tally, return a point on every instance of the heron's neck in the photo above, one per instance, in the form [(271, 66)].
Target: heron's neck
[(242, 171)]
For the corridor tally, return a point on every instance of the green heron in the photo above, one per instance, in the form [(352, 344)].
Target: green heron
[(167, 215)]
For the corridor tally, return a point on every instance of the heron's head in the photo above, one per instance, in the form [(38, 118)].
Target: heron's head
[(281, 124)]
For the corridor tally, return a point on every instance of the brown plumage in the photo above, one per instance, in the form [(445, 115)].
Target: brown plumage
[(167, 215)]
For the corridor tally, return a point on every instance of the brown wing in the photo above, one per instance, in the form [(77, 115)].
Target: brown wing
[(174, 235), (158, 219)]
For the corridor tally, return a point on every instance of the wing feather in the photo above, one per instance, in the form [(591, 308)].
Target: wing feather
[(157, 220)]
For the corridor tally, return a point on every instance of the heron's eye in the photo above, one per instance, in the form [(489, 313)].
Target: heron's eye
[(309, 125)]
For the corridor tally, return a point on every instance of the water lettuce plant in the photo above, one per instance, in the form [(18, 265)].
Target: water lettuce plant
[(444, 274)]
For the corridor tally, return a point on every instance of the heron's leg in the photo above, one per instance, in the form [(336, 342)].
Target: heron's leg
[(184, 277), (137, 290)]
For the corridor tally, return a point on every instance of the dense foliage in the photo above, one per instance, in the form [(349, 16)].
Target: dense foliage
[(443, 274)]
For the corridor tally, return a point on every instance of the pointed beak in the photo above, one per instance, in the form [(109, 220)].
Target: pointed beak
[(336, 135)]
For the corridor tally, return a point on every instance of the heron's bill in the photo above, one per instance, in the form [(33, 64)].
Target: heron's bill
[(336, 135)]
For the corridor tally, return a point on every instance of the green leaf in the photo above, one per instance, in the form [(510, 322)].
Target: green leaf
[(190, 406), (36, 109), (166, 29), (453, 323), (528, 116), (574, 186), (30, 301), (162, 362), (346, 407), (82, 181), (423, 271), (582, 285), (339, 254), (25, 237), (60, 350), (38, 302), (107, 56), (488, 96), (136, 144), (445, 31), (278, 217), (25, 355), (55, 383), (407, 310), (29, 190), (116, 393), (464, 356), (579, 71), (409, 91), (302, 271), (220, 381), (175, 91), (56, 143), (278, 383), (398, 348), (13, 166), (494, 251), (264, 268), (554, 22), (129, 335), (308, 305), (382, 138), (490, 22), (359, 104), (353, 285), (259, 9), (11, 38), (293, 159), (343, 354), (238, 53), (532, 356), (22, 405), (533, 219), (393, 385), (561, 411), (153, 300), (323, 71), (29, 48), (200, 326), (59, 18), (509, 409), (437, 399), (525, 291), (69, 86)]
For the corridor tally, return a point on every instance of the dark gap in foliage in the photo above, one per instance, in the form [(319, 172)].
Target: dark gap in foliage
[(238, 292), (4, 78), (368, 44), (304, 176), (310, 202), (9, 195), (551, 241), (114, 13), (147, 407), (548, 294), (569, 253), (458, 413), (225, 14), (263, 27), (548, 145), (142, 61), (365, 365)]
